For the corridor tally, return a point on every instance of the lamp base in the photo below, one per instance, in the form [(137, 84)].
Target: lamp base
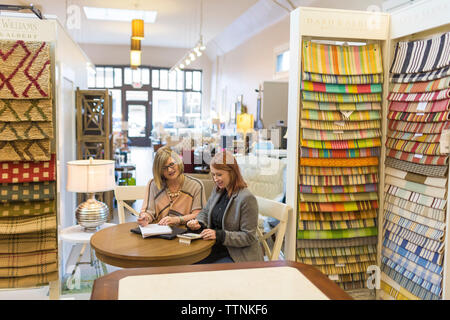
[(91, 214)]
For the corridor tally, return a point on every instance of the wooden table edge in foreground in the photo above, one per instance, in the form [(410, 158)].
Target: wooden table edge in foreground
[(107, 287)]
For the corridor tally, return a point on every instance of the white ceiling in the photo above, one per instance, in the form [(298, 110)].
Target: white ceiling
[(226, 23)]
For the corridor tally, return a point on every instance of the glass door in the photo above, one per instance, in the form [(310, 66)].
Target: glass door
[(138, 115)]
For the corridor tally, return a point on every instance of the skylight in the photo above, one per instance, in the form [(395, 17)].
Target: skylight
[(110, 14)]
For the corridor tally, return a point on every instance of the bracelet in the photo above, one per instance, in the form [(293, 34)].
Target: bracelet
[(181, 220)]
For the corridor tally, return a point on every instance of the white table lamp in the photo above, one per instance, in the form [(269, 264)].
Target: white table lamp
[(91, 176)]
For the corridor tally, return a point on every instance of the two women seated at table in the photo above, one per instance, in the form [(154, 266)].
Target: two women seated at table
[(230, 216)]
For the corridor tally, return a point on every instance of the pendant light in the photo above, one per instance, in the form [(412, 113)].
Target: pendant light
[(137, 29), (135, 53)]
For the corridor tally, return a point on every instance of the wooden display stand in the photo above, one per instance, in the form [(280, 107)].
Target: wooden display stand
[(414, 22), (94, 132)]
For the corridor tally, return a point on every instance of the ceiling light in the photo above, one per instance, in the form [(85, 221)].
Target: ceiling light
[(135, 45), (190, 56), (111, 14), (197, 52), (137, 29), (181, 66), (135, 58)]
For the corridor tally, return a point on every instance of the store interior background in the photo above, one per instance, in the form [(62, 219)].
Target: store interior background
[(243, 39)]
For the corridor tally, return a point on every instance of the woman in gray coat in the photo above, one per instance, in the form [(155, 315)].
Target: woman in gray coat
[(230, 215)]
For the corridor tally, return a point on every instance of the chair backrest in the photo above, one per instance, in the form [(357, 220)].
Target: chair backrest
[(207, 181), (123, 193), (279, 211)]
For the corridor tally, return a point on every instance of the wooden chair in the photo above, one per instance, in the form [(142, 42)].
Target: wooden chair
[(279, 211), (124, 193)]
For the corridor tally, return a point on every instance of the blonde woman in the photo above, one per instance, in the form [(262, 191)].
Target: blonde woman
[(172, 198)]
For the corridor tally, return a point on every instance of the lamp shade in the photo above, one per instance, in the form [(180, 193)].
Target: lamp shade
[(137, 29), (135, 45), (89, 176), (135, 58), (244, 122)]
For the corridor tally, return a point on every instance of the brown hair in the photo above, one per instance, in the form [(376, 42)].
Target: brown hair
[(227, 162), (162, 155)]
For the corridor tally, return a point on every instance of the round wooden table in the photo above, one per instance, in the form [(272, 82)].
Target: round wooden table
[(119, 247)]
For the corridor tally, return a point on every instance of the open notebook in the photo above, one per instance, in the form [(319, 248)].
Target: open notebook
[(154, 229)]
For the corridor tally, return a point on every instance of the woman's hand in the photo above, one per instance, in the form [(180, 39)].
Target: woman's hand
[(143, 220), (193, 224), (169, 221), (208, 234)]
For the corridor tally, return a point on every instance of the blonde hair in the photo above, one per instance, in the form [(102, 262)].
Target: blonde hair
[(162, 155)]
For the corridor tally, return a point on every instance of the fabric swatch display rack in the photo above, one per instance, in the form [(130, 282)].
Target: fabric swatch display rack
[(336, 104), (416, 168), (356, 161), (340, 152), (28, 219)]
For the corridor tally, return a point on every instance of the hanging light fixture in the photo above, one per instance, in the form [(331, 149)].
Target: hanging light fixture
[(135, 53), (196, 51), (137, 29)]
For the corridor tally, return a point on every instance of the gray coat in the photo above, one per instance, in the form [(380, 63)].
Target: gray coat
[(240, 221)]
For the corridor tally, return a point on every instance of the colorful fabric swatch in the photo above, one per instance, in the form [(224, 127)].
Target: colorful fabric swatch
[(427, 86), (339, 171), (337, 206), (417, 178), (421, 55), (419, 117), (337, 79), (27, 224), (28, 242), (341, 60), (26, 110), (337, 216), (28, 191), (372, 187), (337, 234), (421, 76), (340, 125), (10, 131), (312, 134), (341, 88), (422, 96), (27, 171), (420, 137), (342, 144), (413, 146), (349, 153), (416, 127), (345, 98), (331, 106), (25, 150), (415, 208), (349, 242), (372, 161), (339, 116), (420, 107), (336, 251), (25, 70), (426, 170), (341, 197), (338, 180)]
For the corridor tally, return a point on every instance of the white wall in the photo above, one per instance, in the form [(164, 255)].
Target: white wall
[(152, 56), (243, 69)]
